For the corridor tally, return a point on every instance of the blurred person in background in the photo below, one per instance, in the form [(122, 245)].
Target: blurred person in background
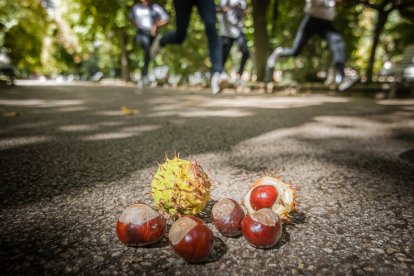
[(207, 11), (147, 18), (231, 15), (319, 17)]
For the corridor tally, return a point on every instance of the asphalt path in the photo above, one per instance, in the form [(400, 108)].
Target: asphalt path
[(71, 160)]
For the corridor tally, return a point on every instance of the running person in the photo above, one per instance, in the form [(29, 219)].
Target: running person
[(147, 17), (232, 13), (207, 11), (319, 16)]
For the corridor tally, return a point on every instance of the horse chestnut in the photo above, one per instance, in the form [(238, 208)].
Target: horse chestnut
[(273, 193), (191, 239), (263, 196), (262, 229), (226, 216), (140, 225)]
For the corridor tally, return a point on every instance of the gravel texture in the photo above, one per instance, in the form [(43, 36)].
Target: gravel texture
[(71, 161)]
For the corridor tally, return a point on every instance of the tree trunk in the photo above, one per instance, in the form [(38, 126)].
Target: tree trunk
[(261, 37), (124, 55), (275, 16), (381, 20)]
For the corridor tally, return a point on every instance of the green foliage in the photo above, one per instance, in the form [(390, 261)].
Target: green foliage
[(84, 37), (23, 27), (398, 33)]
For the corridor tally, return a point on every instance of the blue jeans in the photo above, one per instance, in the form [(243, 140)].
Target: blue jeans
[(242, 43), (207, 11), (145, 41)]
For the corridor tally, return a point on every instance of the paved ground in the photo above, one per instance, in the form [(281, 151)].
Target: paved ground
[(72, 161)]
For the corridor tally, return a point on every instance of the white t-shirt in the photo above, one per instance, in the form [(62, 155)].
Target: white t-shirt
[(323, 9), (146, 16), (231, 22)]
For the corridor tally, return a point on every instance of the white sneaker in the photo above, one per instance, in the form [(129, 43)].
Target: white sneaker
[(271, 60), (143, 82), (270, 87), (219, 81), (239, 82), (347, 83), (155, 47)]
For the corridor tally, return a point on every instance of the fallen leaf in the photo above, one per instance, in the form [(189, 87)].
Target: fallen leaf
[(11, 114), (128, 111)]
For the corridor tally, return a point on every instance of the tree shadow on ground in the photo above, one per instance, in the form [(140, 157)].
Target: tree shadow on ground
[(408, 155), (67, 162), (296, 217), (399, 173)]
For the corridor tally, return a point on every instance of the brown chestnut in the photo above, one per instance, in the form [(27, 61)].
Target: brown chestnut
[(140, 225), (263, 196), (262, 229), (226, 216), (191, 239)]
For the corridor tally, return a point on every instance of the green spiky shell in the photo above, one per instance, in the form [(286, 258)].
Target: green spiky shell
[(180, 187)]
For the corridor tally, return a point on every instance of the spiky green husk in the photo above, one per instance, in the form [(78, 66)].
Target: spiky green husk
[(180, 187)]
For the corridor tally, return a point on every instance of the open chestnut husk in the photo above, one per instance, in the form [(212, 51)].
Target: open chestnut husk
[(273, 193), (191, 239), (227, 216), (140, 225), (262, 229)]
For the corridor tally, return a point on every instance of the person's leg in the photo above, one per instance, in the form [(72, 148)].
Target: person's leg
[(337, 46), (227, 43), (304, 33), (144, 41), (306, 29), (207, 11), (242, 42), (183, 10)]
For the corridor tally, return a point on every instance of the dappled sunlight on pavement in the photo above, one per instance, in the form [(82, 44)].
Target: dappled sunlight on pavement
[(202, 106), (325, 134), (70, 174), (122, 133), (40, 103), (273, 102), (108, 136), (397, 102), (215, 113), (75, 128), (22, 141)]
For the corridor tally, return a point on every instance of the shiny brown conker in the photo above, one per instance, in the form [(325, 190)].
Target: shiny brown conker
[(191, 239), (262, 229), (263, 196), (140, 225), (227, 216)]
